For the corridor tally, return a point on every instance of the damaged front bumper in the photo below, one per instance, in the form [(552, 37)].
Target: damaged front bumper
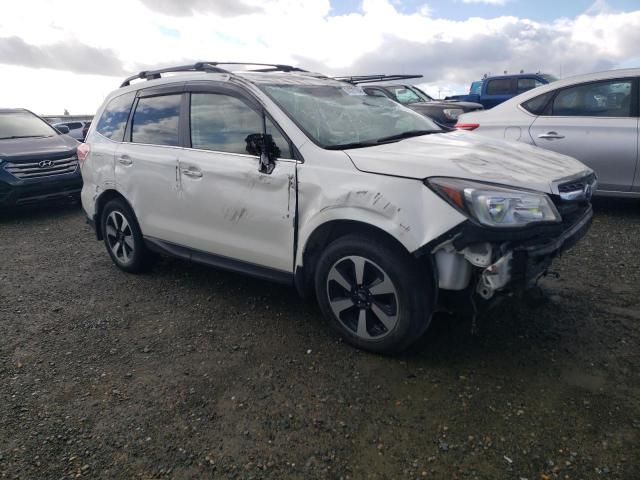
[(489, 261)]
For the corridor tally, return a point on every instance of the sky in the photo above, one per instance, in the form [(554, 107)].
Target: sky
[(69, 54)]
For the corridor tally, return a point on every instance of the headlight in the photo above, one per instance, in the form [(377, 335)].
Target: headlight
[(452, 113), (494, 205)]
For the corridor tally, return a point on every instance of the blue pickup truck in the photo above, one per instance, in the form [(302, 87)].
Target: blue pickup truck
[(492, 91)]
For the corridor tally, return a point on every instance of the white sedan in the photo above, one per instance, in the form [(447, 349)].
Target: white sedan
[(593, 118)]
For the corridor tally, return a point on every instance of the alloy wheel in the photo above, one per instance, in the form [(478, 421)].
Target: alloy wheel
[(363, 297), (119, 237)]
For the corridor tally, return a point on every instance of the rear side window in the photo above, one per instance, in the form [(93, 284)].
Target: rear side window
[(600, 99), (537, 105), (222, 123), (499, 86), (155, 120), (113, 121), (525, 84)]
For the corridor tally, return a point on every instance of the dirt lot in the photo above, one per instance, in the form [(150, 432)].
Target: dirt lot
[(188, 372)]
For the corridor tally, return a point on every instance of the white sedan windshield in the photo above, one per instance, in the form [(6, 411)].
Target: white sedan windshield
[(335, 116)]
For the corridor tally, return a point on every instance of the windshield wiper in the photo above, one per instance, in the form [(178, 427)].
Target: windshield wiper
[(21, 136), (346, 146), (407, 134), (389, 139)]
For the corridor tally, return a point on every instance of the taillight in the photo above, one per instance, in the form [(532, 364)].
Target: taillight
[(467, 126), (83, 152)]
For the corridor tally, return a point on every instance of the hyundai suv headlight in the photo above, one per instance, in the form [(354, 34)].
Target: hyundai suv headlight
[(452, 113), (495, 205)]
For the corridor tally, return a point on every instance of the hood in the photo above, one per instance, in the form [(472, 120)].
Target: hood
[(471, 156), (56, 146), (466, 106)]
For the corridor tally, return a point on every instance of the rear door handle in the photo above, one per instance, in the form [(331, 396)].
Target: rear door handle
[(125, 160), (550, 135), (192, 172)]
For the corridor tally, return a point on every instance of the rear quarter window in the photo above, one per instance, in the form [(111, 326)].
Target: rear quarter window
[(538, 105), (113, 120)]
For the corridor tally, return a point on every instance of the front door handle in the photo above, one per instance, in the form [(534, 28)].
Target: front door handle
[(550, 135), (125, 160), (192, 172)]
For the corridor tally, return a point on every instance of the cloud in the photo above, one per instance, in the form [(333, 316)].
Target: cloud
[(73, 56), (379, 37), (222, 8), (488, 2)]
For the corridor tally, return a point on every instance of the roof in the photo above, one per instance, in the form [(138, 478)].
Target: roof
[(13, 110), (588, 77)]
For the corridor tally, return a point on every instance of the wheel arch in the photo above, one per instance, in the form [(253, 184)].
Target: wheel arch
[(101, 201), (328, 232)]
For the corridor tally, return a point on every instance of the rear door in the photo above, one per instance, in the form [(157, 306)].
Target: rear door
[(597, 123), (228, 207), (146, 163)]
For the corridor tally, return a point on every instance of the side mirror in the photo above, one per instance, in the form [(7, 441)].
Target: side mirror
[(63, 129), (263, 146)]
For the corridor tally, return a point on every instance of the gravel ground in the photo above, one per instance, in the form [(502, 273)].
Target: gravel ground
[(189, 372)]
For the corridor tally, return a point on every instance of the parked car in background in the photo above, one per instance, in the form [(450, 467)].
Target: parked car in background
[(444, 113), (494, 90), (303, 179), (37, 162), (76, 129), (593, 118)]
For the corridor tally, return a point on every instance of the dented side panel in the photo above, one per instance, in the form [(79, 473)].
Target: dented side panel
[(97, 172), (235, 211), (331, 188)]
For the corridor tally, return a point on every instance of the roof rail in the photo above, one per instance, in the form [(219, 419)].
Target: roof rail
[(209, 67), (355, 80)]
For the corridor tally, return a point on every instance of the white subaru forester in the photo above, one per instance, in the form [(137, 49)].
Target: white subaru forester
[(295, 177)]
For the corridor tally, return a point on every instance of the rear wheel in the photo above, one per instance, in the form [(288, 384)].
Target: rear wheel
[(123, 238), (373, 293)]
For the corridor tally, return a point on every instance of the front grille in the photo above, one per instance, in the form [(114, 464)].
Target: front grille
[(568, 190), (43, 168)]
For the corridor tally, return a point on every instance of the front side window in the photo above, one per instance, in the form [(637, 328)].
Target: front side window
[(222, 123), (374, 92), (155, 120), (337, 116), (113, 120), (405, 96), (601, 99), (499, 86)]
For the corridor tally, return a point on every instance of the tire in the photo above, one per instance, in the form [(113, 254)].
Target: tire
[(374, 294), (123, 238)]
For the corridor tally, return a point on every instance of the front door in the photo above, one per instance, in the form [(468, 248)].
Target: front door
[(597, 124), (229, 208)]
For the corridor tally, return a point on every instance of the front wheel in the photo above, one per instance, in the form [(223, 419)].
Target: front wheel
[(374, 294)]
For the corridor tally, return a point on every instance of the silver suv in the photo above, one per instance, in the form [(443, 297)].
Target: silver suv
[(298, 178)]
